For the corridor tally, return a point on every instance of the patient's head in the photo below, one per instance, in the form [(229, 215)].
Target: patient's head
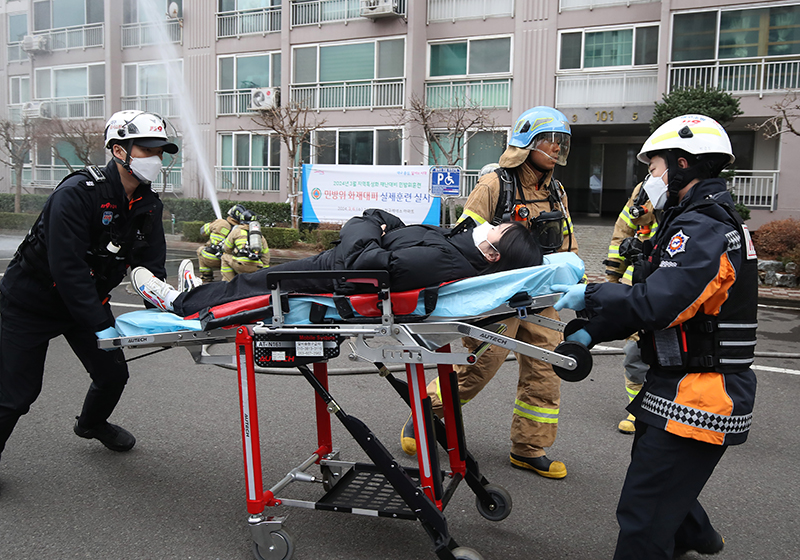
[(508, 246)]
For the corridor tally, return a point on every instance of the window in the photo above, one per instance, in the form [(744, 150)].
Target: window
[(249, 71), (149, 78), (248, 149), (20, 89), (632, 46), (77, 81), (383, 59), (17, 27), (470, 57), (481, 148), (359, 147), (242, 5), (143, 11), (56, 14), (742, 34)]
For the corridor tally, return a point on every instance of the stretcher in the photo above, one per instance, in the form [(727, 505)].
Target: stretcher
[(414, 328)]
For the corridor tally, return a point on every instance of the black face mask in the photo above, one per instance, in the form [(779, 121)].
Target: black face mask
[(548, 228)]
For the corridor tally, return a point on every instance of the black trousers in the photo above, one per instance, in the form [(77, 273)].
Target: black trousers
[(658, 509), (255, 284), (24, 338)]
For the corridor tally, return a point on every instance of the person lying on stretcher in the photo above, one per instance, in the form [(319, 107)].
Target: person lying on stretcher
[(416, 256)]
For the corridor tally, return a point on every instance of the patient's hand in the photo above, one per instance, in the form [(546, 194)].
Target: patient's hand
[(383, 230)]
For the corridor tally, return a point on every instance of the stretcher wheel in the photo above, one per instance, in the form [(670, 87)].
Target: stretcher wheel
[(464, 553), (281, 547), (501, 506), (580, 354)]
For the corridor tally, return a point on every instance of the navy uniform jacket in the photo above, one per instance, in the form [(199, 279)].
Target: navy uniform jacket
[(76, 271), (699, 301)]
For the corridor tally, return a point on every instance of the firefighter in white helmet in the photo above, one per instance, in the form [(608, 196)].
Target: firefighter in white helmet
[(95, 224), (694, 302)]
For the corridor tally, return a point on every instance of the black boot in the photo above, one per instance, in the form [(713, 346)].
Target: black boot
[(110, 435)]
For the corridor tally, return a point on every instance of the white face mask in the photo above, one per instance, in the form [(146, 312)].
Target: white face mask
[(146, 169), (481, 233), (656, 190)]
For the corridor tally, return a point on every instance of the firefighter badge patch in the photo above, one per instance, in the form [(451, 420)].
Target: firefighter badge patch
[(107, 217), (677, 244)]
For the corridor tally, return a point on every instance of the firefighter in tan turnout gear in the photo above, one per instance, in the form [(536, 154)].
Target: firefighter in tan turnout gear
[(245, 250), (209, 255), (636, 224), (522, 189)]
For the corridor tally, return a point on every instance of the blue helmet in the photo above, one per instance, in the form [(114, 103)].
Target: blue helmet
[(542, 124)]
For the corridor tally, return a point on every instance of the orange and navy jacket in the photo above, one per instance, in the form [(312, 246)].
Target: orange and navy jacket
[(698, 300)]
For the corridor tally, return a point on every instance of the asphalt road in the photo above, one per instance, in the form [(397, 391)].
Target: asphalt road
[(180, 492)]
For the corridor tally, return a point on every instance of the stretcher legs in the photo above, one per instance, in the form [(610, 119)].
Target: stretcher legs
[(420, 493)]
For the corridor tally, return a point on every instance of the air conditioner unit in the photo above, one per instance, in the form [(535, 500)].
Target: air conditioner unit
[(264, 98), (378, 8), (34, 43), (34, 110)]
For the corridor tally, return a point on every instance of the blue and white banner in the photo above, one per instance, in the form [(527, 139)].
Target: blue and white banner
[(336, 193)]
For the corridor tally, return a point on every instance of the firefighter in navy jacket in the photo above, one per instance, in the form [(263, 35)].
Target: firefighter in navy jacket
[(694, 302), (96, 223)]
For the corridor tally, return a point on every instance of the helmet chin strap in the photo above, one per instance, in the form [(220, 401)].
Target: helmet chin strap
[(127, 163)]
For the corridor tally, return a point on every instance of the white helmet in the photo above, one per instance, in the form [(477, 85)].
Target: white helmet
[(695, 134), (144, 129)]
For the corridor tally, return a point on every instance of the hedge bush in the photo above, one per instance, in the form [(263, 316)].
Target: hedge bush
[(29, 203), (21, 222), (778, 240), (191, 231), (280, 238), (195, 210)]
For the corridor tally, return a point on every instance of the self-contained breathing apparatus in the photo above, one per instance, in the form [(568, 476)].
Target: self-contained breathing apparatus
[(253, 248), (548, 227)]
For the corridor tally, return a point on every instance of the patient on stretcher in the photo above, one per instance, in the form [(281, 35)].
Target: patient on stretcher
[(415, 256)]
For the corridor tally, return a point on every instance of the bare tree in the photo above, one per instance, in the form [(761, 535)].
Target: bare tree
[(18, 138), (446, 131), (787, 111), (293, 122), (84, 137)]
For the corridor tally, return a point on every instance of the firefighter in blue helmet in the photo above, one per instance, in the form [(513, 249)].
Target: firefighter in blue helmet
[(524, 190), (95, 224), (693, 300)]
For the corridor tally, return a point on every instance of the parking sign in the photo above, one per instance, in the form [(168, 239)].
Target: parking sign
[(445, 181)]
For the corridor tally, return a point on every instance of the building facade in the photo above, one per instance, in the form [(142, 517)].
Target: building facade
[(208, 64)]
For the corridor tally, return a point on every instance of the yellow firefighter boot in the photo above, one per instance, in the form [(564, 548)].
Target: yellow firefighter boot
[(627, 426), (407, 440), (540, 465)]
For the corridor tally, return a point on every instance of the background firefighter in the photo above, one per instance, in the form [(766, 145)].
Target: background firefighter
[(209, 256), (245, 250), (523, 190), (635, 224)]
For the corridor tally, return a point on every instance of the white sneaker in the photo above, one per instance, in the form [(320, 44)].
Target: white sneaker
[(186, 278), (156, 291)]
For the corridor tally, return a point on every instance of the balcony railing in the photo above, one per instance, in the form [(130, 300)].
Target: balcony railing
[(259, 179), (248, 22), (85, 107), (15, 52), (164, 104), (371, 94), (142, 34), (234, 102), (317, 12), (591, 4), (45, 176), (174, 182), (755, 188), (452, 10), (469, 93), (76, 37), (754, 76), (632, 87)]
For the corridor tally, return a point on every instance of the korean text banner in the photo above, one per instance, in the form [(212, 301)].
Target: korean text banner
[(336, 193)]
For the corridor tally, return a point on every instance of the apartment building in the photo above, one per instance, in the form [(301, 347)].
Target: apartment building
[(205, 64)]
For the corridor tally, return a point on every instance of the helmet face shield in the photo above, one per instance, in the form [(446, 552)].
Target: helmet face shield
[(553, 144)]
